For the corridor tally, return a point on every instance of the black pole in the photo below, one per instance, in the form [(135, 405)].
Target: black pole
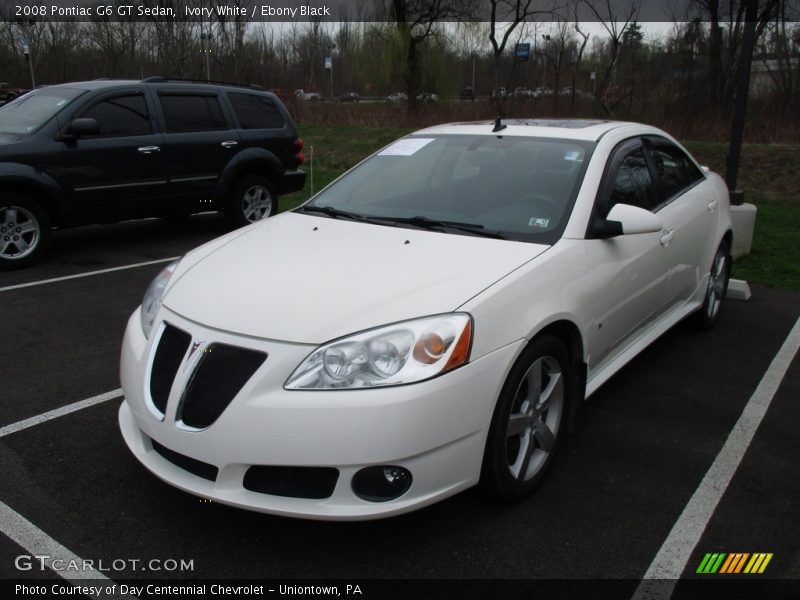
[(740, 101)]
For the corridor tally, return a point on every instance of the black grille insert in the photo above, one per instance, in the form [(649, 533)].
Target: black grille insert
[(194, 466), (222, 372), (169, 354), (293, 482)]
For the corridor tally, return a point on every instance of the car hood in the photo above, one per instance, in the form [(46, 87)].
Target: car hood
[(308, 279), (9, 138)]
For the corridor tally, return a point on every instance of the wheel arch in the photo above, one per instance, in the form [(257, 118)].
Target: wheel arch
[(48, 194), (568, 332), (255, 161)]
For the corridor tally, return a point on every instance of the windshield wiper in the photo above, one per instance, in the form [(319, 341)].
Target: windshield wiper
[(332, 212), (437, 225)]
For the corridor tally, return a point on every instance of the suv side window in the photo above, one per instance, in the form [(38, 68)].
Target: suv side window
[(256, 112), (632, 184), (121, 115), (674, 170), (192, 113)]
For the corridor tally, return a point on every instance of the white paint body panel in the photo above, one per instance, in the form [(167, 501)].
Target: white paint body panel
[(288, 284)]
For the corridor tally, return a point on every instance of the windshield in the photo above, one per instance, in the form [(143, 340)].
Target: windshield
[(28, 113), (509, 187)]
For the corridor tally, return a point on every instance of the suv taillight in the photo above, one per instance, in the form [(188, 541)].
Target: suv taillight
[(299, 156)]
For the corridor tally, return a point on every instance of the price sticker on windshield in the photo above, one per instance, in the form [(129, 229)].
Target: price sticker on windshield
[(406, 147)]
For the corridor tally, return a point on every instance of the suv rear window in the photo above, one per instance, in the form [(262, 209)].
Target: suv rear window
[(192, 113), (256, 112)]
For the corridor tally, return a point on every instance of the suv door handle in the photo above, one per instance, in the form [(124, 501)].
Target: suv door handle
[(229, 144), (712, 205), (149, 149), (667, 236)]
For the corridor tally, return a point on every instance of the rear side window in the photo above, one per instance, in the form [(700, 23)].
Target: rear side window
[(256, 112), (633, 184), (674, 170), (192, 113), (122, 115)]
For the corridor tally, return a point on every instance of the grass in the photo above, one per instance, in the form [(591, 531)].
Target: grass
[(769, 174)]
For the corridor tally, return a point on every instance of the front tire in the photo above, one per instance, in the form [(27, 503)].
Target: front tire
[(708, 315), (529, 420), (25, 231), (251, 200)]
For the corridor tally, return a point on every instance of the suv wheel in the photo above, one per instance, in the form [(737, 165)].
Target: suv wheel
[(251, 200), (24, 231)]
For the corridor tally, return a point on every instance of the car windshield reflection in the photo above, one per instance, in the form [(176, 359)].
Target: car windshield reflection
[(509, 187)]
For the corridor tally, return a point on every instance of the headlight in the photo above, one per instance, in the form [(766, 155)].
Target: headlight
[(392, 355), (152, 297)]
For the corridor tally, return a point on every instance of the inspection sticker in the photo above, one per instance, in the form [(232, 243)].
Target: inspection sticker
[(540, 223), (573, 155), (405, 147)]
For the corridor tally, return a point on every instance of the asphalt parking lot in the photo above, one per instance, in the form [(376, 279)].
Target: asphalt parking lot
[(639, 454)]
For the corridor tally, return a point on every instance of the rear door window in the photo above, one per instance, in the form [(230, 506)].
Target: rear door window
[(184, 113), (256, 112), (675, 172)]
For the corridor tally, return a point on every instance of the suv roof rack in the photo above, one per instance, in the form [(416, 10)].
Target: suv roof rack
[(159, 79)]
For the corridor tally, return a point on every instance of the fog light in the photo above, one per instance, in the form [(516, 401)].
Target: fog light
[(381, 484)]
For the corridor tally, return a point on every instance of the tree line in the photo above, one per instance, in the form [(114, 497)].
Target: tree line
[(615, 68)]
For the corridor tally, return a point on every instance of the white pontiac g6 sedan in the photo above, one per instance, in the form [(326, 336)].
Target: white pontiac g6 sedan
[(429, 321)]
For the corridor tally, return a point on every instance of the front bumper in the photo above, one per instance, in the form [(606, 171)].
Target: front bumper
[(436, 429)]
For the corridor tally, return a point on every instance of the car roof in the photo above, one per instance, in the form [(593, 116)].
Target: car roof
[(99, 84), (576, 129)]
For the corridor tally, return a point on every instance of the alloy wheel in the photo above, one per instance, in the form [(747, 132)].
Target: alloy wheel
[(716, 284), (20, 232), (256, 203), (535, 418)]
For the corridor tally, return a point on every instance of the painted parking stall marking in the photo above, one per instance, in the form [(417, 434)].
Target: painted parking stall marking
[(88, 274), (59, 412), (672, 558)]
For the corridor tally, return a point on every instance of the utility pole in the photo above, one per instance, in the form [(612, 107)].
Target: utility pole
[(740, 102), (546, 38), (206, 42), (24, 42)]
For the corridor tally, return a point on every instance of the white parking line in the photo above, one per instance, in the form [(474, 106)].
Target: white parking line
[(671, 559), (45, 550), (59, 412), (39, 544), (87, 274)]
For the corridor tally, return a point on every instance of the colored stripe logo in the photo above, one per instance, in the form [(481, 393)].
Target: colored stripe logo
[(734, 563)]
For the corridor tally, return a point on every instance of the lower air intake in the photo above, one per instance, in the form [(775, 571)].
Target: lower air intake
[(293, 482), (194, 466)]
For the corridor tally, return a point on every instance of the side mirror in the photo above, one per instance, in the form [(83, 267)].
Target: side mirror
[(81, 127), (625, 219)]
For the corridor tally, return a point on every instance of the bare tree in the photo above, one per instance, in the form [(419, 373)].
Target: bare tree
[(511, 13), (616, 24), (417, 21)]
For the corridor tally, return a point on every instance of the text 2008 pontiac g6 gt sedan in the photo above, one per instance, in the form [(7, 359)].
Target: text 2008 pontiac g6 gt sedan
[(427, 322)]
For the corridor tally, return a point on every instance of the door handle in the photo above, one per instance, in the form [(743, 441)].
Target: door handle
[(229, 144), (667, 236), (149, 149), (712, 205)]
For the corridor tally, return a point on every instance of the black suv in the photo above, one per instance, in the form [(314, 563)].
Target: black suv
[(103, 151)]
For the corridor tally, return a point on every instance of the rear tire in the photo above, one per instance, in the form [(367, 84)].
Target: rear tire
[(529, 420), (251, 200), (708, 315), (25, 231)]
